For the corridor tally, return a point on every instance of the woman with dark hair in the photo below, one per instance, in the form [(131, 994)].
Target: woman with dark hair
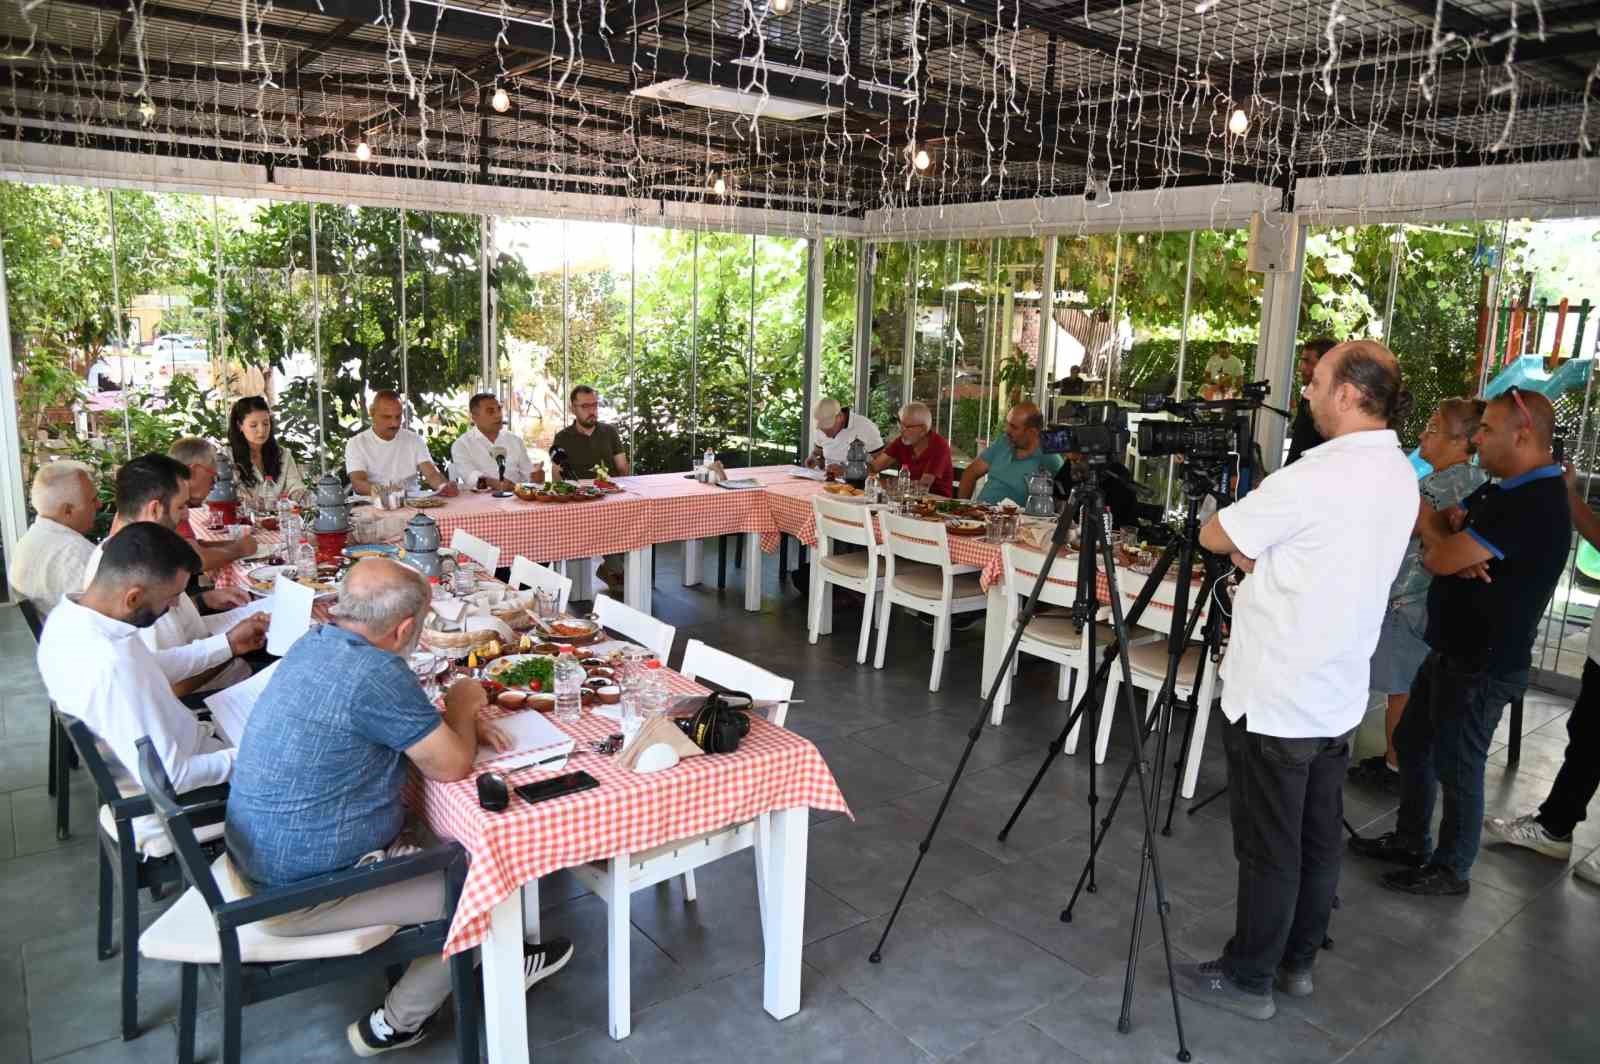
[(256, 452)]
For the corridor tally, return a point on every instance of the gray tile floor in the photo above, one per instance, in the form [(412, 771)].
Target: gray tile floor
[(980, 967)]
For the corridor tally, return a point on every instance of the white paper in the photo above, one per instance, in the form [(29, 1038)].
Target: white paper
[(533, 740), (743, 484), (231, 706), (807, 474), (221, 622), (291, 615), (450, 610)]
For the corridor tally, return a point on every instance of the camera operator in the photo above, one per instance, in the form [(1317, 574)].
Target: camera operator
[(1322, 540)]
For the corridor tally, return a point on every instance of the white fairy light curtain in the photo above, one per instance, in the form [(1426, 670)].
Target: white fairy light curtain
[(827, 108)]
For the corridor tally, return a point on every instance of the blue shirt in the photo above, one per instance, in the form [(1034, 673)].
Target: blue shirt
[(1008, 474), (317, 781)]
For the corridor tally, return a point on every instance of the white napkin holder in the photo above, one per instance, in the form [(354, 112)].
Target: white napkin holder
[(655, 757)]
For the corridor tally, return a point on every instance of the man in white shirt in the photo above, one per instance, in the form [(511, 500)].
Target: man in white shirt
[(201, 458), (50, 558), (1322, 540), (197, 650), (486, 455), (837, 427), (385, 453), (98, 670)]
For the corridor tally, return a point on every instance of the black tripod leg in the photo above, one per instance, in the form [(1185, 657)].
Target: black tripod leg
[(1207, 800), (1177, 769), (1057, 745)]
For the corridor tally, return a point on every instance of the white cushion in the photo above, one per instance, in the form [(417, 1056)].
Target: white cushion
[(1150, 662), (186, 934), (852, 564), (148, 838), (927, 581), (1058, 630)]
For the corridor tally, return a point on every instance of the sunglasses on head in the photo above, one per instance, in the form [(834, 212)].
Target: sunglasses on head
[(1516, 394)]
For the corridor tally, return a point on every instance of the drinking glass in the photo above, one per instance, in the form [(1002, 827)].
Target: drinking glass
[(545, 603), (425, 666)]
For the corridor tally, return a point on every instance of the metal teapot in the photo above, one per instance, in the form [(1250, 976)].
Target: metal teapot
[(333, 507), (422, 546), (223, 502), (1041, 495), (855, 463)]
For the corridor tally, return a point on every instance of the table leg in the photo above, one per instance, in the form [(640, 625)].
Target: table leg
[(618, 928), (994, 636), (785, 911), (691, 563), (505, 1005), (531, 931), (582, 572), (752, 571), (636, 579), (825, 590)]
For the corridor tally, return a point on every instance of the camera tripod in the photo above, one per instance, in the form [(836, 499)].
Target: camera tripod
[(1095, 554)]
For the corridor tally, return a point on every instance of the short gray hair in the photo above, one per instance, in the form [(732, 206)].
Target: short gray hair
[(916, 411), (192, 451), (56, 484), (382, 604)]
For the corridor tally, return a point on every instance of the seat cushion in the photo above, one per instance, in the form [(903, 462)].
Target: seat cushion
[(186, 934), (927, 581), (1150, 661), (853, 564), (148, 838), (1058, 630)]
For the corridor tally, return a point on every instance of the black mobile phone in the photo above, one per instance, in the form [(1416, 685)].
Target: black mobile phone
[(556, 787)]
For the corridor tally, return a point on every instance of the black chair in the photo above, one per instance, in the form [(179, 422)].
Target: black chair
[(1514, 743), (129, 864), (204, 928), (61, 754)]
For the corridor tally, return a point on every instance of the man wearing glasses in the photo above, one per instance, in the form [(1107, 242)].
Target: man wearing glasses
[(919, 452), (1496, 563)]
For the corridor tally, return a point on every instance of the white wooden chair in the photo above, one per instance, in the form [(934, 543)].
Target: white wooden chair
[(1147, 663), (1051, 636), (919, 575), (530, 574), (654, 635), (481, 551), (843, 522), (618, 878)]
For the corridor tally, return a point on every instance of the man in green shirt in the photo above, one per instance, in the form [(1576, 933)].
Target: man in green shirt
[(1009, 462), (589, 443)]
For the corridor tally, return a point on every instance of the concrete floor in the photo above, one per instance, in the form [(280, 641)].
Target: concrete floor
[(979, 967)]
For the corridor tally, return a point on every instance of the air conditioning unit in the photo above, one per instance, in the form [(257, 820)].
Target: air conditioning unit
[(1272, 242), (736, 101)]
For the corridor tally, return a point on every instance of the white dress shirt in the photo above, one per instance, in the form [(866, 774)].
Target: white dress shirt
[(472, 456), (386, 461), (1327, 534), (836, 448), (48, 562), (96, 671), (185, 642)]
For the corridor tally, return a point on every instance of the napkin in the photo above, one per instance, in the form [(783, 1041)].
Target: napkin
[(450, 610), (657, 730)]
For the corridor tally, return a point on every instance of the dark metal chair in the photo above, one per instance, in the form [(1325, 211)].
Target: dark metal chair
[(61, 754), (129, 864), (203, 928)]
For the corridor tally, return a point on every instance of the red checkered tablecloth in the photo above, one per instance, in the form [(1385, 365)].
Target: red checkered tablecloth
[(628, 813), (682, 508)]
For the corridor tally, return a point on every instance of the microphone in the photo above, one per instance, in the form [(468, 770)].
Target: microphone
[(500, 460)]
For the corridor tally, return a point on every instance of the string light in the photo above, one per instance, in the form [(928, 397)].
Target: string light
[(147, 110), (719, 186), (781, 7), (922, 160), (501, 101), (363, 152), (1239, 122)]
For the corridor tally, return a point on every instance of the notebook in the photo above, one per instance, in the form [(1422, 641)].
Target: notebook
[(534, 742)]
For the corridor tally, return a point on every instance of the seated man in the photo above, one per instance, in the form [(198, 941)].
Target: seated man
[(1009, 462), (919, 452), (50, 558), (385, 453), (588, 444), (197, 650), (486, 455), (97, 670), (350, 742), (837, 427), (201, 459)]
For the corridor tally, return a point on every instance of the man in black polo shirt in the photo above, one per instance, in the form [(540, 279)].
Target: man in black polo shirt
[(1498, 560), (1303, 434)]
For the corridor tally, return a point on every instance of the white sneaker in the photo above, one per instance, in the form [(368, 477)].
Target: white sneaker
[(1527, 832), (1588, 869)]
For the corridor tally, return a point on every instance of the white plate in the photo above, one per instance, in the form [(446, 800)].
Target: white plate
[(421, 493)]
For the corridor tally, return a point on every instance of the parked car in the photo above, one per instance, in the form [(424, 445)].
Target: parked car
[(175, 353)]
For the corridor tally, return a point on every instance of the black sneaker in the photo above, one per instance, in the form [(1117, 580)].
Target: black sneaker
[(1385, 848), (1375, 772), (544, 960), (1206, 982), (374, 1034), (1434, 881)]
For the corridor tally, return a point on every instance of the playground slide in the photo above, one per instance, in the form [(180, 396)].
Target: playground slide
[(1528, 373)]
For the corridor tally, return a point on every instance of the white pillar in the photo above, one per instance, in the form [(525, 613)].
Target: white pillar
[(1276, 347), (13, 501)]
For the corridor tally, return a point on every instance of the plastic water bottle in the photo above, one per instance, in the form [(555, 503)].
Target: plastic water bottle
[(708, 460), (569, 688)]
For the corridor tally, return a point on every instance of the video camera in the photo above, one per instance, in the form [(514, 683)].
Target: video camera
[(1208, 431), (1095, 430)]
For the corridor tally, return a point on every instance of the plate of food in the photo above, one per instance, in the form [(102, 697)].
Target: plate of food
[(964, 526), (845, 490), (603, 481), (264, 578), (523, 672), (370, 550), (425, 502), (569, 629)]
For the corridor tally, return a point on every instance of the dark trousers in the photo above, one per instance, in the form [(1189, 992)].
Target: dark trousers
[(1442, 743), (1286, 802), (1579, 777)]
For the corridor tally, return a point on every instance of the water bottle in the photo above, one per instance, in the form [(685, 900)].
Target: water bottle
[(569, 688), (708, 460)]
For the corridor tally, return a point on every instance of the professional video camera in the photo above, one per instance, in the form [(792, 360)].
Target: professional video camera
[(1096, 430), (1207, 431)]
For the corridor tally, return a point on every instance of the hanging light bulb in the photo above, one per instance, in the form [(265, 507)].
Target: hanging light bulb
[(922, 160), (781, 7), (147, 110), (501, 101), (719, 186), (1239, 122), (363, 153)]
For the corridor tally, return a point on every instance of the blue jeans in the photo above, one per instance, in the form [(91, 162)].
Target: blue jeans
[(1443, 743)]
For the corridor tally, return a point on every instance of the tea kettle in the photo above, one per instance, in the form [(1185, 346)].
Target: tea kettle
[(1041, 495), (855, 463), (422, 546), (333, 507), (224, 497)]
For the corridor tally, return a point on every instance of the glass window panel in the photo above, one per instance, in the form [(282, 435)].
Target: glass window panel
[(779, 351), (723, 276), (1089, 331), (599, 297), (886, 350), (1017, 290), (840, 263), (661, 421), (531, 341)]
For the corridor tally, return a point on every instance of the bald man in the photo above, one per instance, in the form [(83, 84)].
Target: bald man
[(385, 453), (350, 743), (1322, 540), (1495, 562), (1011, 460)]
